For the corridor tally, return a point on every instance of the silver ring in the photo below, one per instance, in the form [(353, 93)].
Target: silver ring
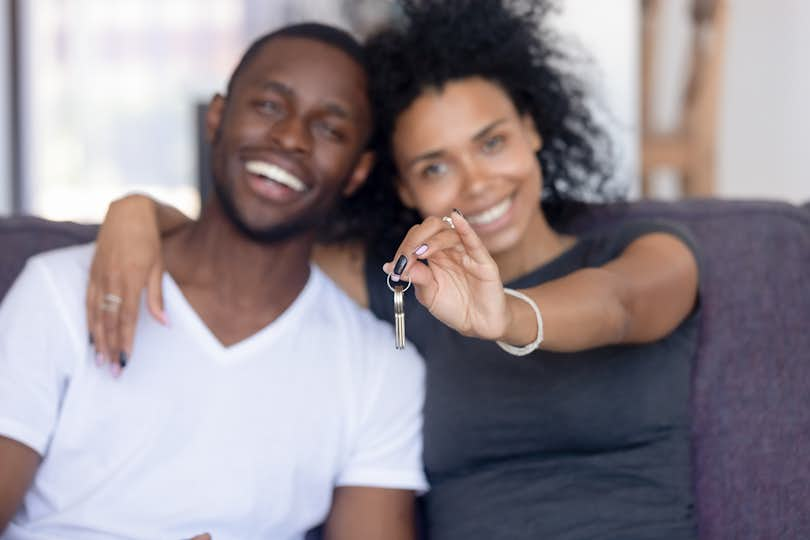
[(449, 221), (111, 302), (113, 298), (388, 281)]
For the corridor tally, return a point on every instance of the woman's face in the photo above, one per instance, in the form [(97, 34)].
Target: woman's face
[(467, 147)]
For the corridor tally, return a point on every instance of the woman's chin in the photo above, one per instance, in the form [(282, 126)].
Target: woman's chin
[(502, 242)]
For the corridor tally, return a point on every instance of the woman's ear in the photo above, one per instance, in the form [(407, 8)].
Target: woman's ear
[(359, 174), (213, 117), (532, 134)]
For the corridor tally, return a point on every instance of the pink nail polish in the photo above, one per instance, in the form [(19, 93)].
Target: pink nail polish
[(116, 370), (99, 359), (421, 250), (394, 278)]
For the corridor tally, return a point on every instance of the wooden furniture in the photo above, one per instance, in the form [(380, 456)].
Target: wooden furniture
[(690, 147)]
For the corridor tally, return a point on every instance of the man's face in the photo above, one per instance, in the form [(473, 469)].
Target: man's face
[(289, 139)]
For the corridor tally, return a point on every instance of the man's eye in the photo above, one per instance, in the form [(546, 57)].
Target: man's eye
[(493, 144), (329, 130), (269, 106), (434, 170)]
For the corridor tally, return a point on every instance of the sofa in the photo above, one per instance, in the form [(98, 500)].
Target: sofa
[(751, 377)]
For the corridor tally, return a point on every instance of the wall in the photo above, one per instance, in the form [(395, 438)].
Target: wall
[(765, 127), (764, 124), (608, 31)]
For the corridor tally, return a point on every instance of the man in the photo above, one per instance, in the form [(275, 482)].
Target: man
[(271, 403)]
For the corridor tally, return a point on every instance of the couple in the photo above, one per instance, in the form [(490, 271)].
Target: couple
[(264, 402)]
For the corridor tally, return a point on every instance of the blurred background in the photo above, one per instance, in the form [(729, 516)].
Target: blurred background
[(102, 97)]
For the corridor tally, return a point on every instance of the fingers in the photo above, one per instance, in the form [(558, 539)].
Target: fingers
[(113, 300), (127, 317), (154, 294), (444, 240), (205, 536), (417, 273), (422, 240), (472, 243)]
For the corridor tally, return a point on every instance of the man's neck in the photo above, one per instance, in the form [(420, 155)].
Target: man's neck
[(235, 284)]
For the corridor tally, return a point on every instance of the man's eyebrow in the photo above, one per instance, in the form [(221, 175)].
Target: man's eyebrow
[(483, 132), (337, 110), (277, 87)]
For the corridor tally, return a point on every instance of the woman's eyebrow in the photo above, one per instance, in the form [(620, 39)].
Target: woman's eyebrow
[(483, 132), (429, 155)]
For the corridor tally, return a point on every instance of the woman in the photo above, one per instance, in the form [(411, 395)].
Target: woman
[(587, 435)]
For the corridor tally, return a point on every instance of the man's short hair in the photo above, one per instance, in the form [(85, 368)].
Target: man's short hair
[(330, 35)]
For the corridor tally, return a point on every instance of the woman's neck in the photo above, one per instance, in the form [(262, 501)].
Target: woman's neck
[(538, 245)]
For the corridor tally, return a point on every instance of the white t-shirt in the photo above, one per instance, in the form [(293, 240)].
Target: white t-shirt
[(243, 442)]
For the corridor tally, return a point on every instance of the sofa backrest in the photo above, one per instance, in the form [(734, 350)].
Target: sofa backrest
[(21, 237), (751, 381)]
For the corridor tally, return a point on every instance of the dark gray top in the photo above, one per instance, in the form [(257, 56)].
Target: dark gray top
[(555, 446)]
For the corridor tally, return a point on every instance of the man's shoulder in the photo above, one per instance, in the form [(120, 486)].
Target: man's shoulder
[(341, 306), (68, 262), (60, 274)]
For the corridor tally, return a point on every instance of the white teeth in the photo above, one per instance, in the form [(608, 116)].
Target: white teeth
[(276, 174), (491, 214)]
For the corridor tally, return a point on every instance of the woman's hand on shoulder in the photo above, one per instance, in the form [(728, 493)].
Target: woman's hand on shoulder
[(460, 284), (127, 259)]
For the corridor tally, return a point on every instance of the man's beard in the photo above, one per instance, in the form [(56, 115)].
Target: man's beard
[(269, 235)]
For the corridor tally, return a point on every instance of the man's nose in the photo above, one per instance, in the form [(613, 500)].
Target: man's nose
[(292, 134)]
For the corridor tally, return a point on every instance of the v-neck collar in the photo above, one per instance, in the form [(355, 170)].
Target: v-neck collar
[(183, 316)]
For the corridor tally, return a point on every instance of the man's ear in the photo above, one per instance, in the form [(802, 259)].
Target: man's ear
[(535, 139), (359, 174), (213, 117)]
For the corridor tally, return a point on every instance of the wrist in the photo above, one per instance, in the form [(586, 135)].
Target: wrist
[(524, 331), (520, 326)]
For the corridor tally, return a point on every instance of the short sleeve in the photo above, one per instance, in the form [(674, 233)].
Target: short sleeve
[(388, 450), (34, 341), (626, 233)]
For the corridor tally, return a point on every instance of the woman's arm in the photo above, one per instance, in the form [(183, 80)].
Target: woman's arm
[(127, 259), (640, 296)]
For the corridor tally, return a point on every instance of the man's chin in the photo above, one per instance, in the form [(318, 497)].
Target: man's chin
[(274, 234)]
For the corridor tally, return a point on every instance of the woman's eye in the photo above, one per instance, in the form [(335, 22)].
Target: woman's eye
[(434, 170), (493, 144)]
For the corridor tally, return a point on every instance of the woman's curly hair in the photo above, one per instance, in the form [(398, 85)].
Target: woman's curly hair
[(506, 42)]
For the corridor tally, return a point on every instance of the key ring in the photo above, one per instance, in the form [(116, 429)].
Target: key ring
[(388, 281)]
